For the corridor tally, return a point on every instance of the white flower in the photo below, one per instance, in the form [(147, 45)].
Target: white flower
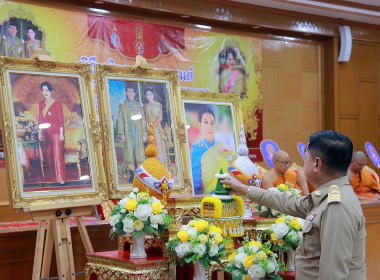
[(128, 226), (192, 232), (293, 235), (213, 250), (123, 202), (263, 208), (182, 248), (271, 266), (132, 195), (157, 219), (280, 230), (241, 249), (300, 235), (184, 227), (154, 199), (199, 249), (288, 218), (274, 212), (254, 248), (256, 272), (143, 212), (122, 211), (239, 259), (114, 220), (135, 190)]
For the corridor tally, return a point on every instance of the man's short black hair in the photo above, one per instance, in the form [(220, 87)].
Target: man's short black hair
[(333, 148)]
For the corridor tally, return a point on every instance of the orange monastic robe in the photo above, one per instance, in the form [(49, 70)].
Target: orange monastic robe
[(288, 177), (363, 183)]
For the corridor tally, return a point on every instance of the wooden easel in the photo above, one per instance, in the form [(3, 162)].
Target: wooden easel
[(58, 233)]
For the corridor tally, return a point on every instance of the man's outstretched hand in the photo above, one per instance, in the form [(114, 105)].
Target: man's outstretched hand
[(237, 188)]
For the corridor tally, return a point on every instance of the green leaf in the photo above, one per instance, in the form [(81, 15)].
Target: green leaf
[(138, 234), (116, 209)]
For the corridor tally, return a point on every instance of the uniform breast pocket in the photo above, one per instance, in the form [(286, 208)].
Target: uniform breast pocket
[(309, 244)]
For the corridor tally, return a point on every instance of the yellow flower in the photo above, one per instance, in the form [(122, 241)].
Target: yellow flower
[(216, 229), (281, 242), (280, 220), (261, 256), (131, 204), (157, 208), (274, 239), (248, 262), (201, 225), (284, 187), (139, 225), (269, 252), (294, 223), (232, 257), (229, 245), (183, 236), (258, 244), (203, 238), (246, 277), (218, 240)]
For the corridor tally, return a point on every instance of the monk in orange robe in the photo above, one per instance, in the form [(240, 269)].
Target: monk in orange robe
[(364, 185), (280, 174)]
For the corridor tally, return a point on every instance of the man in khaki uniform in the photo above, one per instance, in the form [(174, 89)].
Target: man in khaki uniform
[(333, 244)]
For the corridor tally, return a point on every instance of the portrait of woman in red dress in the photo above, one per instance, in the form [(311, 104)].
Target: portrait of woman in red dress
[(51, 134)]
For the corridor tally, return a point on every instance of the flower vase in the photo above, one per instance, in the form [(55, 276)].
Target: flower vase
[(199, 272), (290, 260), (138, 247)]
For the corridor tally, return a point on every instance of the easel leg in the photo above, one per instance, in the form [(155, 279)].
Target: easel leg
[(39, 250), (84, 235), (48, 251), (63, 249)]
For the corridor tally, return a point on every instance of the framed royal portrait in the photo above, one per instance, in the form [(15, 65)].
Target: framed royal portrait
[(129, 100), (211, 121), (51, 134)]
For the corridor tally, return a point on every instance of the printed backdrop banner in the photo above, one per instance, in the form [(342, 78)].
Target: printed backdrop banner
[(205, 61)]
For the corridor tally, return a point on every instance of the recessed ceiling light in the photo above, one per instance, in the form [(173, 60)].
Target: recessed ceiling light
[(99, 2), (185, 16), (256, 26)]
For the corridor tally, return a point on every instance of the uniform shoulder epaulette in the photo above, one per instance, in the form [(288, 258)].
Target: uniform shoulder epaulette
[(334, 194)]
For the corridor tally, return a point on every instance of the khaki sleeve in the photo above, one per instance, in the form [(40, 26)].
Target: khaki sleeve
[(280, 201), (337, 236)]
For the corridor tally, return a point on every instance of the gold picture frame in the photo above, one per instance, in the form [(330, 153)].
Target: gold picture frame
[(129, 98), (51, 134), (212, 140)]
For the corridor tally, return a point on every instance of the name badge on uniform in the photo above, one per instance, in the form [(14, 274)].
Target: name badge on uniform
[(311, 216)]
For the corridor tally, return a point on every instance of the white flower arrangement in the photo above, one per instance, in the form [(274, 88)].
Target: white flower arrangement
[(139, 213), (198, 241), (271, 213), (286, 233), (253, 260)]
